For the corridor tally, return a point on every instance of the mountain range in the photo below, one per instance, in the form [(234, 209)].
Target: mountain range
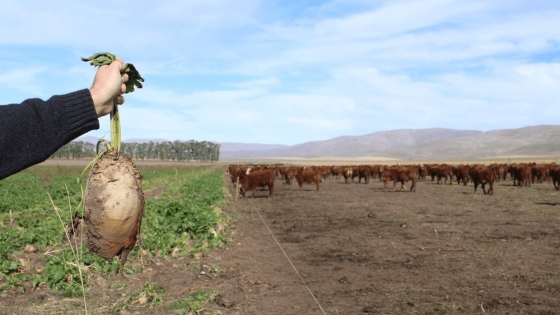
[(411, 144)]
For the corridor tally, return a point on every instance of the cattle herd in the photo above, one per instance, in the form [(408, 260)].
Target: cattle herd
[(251, 177)]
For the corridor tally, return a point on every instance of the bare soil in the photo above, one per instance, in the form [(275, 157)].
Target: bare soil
[(360, 250)]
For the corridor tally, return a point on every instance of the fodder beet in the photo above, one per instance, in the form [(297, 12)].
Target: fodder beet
[(113, 199), (113, 206)]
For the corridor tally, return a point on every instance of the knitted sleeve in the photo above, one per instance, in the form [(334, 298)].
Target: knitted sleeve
[(32, 131)]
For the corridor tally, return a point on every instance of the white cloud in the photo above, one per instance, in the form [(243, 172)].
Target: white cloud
[(255, 70)]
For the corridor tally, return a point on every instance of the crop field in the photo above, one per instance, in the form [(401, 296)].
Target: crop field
[(345, 249), (45, 271)]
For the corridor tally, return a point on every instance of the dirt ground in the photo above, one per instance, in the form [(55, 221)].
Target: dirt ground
[(440, 250), (360, 250)]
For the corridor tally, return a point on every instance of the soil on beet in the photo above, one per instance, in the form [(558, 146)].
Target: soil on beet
[(360, 250)]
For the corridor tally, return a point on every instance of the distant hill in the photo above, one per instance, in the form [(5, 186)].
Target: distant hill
[(432, 143), (408, 144)]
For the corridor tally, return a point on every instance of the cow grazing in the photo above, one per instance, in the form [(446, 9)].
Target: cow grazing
[(308, 176), (401, 174), (256, 179), (482, 175)]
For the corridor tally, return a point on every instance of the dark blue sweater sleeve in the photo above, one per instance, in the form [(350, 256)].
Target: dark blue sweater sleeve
[(32, 131)]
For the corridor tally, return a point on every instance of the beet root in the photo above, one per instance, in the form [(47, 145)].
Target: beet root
[(113, 206)]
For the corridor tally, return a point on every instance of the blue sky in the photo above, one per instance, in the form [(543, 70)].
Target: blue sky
[(288, 72)]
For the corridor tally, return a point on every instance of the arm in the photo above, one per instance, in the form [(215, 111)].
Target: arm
[(35, 129)]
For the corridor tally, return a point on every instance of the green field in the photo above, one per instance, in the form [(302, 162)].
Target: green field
[(182, 218)]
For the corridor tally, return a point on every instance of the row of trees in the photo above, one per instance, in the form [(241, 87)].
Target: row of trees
[(163, 151)]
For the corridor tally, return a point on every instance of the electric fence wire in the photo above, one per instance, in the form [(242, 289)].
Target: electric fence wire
[(288, 258)]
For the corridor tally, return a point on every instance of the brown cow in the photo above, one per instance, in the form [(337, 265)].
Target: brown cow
[(347, 174), (539, 172), (399, 174), (256, 179), (375, 171), (554, 173), (431, 170), (481, 174), (308, 176), (336, 171), (443, 171), (461, 173), (423, 172), (289, 173), (520, 174), (499, 169), (364, 172)]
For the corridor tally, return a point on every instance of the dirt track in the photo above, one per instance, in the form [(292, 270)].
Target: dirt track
[(441, 250)]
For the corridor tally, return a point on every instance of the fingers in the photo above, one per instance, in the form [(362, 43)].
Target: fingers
[(124, 79), (121, 64), (119, 100)]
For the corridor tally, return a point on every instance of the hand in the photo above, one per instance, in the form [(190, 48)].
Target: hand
[(108, 87)]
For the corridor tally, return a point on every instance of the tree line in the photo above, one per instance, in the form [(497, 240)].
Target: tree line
[(159, 151)]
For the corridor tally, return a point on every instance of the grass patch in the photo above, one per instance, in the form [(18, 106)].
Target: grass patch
[(184, 220)]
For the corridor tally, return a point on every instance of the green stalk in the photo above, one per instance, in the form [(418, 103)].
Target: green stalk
[(115, 128)]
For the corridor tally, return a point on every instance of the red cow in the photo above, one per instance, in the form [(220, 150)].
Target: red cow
[(308, 176), (481, 174), (554, 173), (461, 173), (539, 172), (347, 174), (399, 174), (521, 174), (443, 171), (336, 171), (256, 179), (365, 173)]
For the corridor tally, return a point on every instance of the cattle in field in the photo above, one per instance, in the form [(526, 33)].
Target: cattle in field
[(431, 170), (365, 173), (443, 171), (400, 174), (499, 170), (461, 173), (423, 172), (289, 174), (325, 172), (539, 172), (374, 169), (237, 173), (347, 173), (355, 172), (308, 176), (482, 175), (554, 174), (520, 174), (256, 179), (336, 171)]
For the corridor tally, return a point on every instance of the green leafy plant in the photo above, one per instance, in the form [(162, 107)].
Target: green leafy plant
[(189, 219), (193, 303), (62, 273)]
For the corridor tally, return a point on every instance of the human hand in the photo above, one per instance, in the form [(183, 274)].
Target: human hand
[(108, 87)]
